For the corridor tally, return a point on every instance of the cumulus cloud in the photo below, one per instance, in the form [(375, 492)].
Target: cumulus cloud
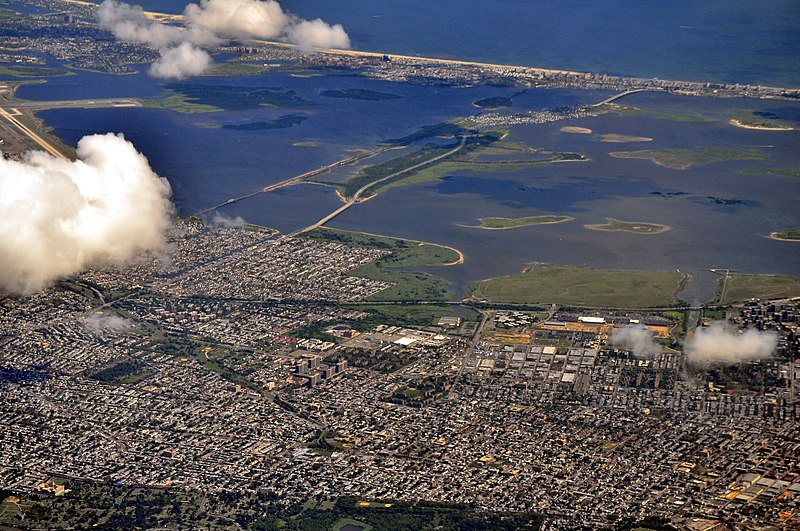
[(128, 23), (179, 48), (308, 34), (721, 342), (638, 339), (107, 324), (221, 221), (60, 216), (264, 19), (180, 62), (208, 24), (243, 19)]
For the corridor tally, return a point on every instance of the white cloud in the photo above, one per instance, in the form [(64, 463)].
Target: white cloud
[(61, 216), (308, 34), (723, 343), (636, 338), (180, 62), (208, 24)]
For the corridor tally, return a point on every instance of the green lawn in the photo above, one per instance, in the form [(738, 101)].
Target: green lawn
[(569, 285), (399, 315), (745, 287), (405, 254)]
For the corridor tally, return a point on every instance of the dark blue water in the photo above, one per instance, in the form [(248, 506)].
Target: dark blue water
[(207, 164), (703, 234), (748, 41)]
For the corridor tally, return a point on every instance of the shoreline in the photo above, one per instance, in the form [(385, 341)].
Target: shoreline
[(774, 236), (737, 123), (659, 228), (616, 138), (680, 86), (517, 226), (460, 259)]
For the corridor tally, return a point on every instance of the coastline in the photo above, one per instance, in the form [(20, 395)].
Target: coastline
[(460, 259), (516, 226), (737, 123), (774, 236)]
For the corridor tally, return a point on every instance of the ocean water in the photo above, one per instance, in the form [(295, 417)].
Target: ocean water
[(748, 41)]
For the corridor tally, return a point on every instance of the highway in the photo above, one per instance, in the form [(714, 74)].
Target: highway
[(298, 178), (618, 96), (356, 198)]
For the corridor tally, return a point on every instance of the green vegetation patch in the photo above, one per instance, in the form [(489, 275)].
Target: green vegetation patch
[(32, 71), (683, 158), (178, 103), (413, 168), (207, 352), (543, 283), (284, 122), (511, 223), (789, 172), (233, 98), (493, 103), (629, 110), (123, 372), (787, 234), (348, 524), (399, 515), (636, 227), (740, 287), (399, 315), (406, 254), (447, 166), (396, 166), (444, 129), (761, 120), (360, 94)]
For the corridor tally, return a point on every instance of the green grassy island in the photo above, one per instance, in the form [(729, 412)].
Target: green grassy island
[(498, 223), (636, 227), (788, 235), (683, 158)]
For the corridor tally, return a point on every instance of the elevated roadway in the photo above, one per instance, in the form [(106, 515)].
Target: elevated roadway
[(297, 179), (615, 97), (356, 198)]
